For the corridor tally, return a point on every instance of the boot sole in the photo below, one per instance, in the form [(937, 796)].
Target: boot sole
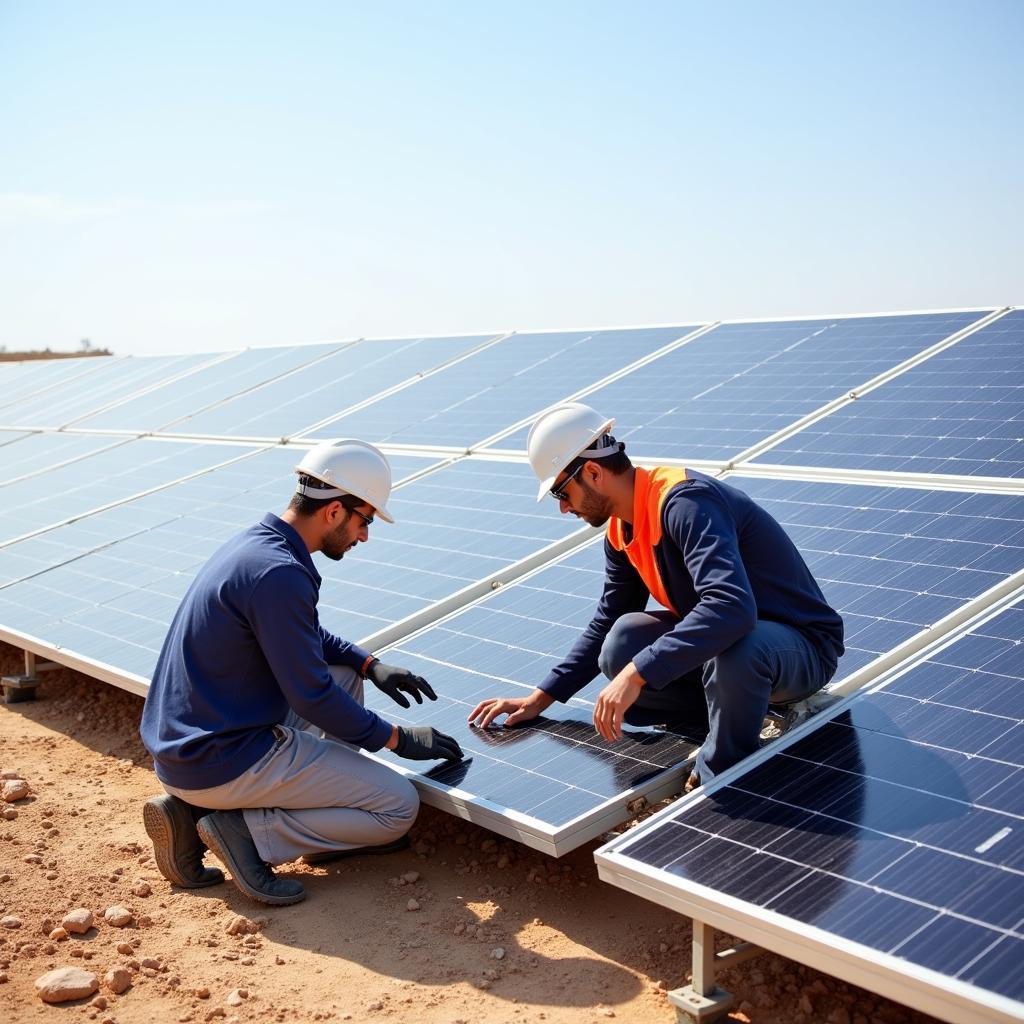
[(210, 835), (160, 828)]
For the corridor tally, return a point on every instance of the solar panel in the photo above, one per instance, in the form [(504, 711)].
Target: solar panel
[(473, 399), (28, 377), (111, 380), (894, 561), (220, 502), (553, 783), (289, 405), (110, 475), (185, 396), (114, 605), (717, 395), (889, 837), (34, 453), (959, 412)]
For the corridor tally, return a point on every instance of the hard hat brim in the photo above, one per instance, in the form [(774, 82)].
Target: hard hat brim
[(548, 482)]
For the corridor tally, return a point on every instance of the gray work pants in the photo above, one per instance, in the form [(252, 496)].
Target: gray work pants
[(314, 794)]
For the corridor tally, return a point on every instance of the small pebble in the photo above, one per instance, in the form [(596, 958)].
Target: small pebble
[(10, 921), (142, 889), (410, 877), (125, 949), (119, 917), (78, 921), (14, 789), (237, 997), (59, 934), (498, 953), (99, 1002), (411, 905), (202, 992), (10, 813)]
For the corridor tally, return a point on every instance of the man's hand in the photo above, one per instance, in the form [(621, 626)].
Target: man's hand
[(518, 709), (392, 680), (425, 743), (615, 700)]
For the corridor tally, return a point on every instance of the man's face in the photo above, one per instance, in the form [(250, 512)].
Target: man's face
[(353, 526), (583, 501)]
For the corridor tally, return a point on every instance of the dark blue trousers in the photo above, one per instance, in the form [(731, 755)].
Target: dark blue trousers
[(729, 697)]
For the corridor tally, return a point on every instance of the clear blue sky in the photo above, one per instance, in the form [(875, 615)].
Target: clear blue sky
[(199, 176)]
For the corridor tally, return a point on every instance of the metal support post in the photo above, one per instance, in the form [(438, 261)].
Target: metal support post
[(21, 688), (703, 1000)]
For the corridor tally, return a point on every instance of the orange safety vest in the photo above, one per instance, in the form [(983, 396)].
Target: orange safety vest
[(650, 489)]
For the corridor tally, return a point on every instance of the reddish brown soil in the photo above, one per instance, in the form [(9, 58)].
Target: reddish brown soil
[(576, 951)]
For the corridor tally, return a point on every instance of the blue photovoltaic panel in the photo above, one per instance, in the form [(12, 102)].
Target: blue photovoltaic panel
[(893, 561), (22, 379), (113, 474), (113, 379), (959, 412), (213, 384), (731, 388), (218, 504), (34, 453), (556, 768), (290, 405), (114, 605), (473, 399), (897, 825)]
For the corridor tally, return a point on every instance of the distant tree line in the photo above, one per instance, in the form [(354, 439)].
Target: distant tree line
[(85, 348)]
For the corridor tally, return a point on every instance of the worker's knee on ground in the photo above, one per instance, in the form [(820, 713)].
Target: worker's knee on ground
[(621, 644)]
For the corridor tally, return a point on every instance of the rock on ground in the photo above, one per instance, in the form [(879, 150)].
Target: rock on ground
[(118, 917), (118, 980), (66, 983), (77, 921)]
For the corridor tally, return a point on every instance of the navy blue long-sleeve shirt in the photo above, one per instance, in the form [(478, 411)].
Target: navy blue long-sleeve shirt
[(713, 556), (244, 646)]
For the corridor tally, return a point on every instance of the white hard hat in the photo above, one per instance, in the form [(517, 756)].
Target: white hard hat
[(562, 434), (348, 467)]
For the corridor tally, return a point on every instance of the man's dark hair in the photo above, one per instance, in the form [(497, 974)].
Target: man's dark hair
[(303, 505), (616, 464)]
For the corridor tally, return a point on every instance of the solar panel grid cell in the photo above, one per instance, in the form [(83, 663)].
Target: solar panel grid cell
[(959, 412)]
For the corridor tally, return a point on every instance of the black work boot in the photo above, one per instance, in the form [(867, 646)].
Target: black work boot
[(178, 850), (228, 836)]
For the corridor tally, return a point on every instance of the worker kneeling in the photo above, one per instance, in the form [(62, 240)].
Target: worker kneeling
[(744, 622), (255, 713)]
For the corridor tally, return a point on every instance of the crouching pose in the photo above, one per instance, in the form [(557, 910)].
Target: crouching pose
[(255, 713), (742, 623)]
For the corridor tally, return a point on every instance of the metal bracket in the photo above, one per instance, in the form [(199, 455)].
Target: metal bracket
[(703, 1000), (22, 688)]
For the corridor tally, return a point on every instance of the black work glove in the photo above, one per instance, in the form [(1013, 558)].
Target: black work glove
[(425, 743), (392, 680)]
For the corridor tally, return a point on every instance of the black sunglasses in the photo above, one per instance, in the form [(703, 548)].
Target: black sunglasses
[(366, 519), (558, 493)]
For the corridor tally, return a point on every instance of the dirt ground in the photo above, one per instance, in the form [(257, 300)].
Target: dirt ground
[(479, 929)]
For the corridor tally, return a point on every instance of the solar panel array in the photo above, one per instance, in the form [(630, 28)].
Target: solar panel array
[(896, 826), (888, 446)]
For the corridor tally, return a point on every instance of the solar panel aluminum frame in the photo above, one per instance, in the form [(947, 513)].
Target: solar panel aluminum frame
[(537, 834), (882, 973), (867, 387)]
